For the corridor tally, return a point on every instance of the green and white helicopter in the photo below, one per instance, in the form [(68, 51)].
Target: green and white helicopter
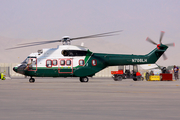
[(77, 61)]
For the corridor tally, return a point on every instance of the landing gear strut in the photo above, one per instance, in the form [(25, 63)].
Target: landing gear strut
[(31, 80), (84, 79)]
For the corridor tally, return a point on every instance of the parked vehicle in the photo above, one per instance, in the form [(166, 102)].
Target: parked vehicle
[(124, 73)]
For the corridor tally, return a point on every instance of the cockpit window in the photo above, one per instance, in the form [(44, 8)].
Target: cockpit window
[(27, 60), (74, 53)]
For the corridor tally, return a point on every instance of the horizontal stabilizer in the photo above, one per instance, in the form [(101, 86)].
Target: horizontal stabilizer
[(148, 66)]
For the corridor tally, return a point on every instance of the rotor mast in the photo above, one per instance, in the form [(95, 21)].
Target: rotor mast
[(66, 40)]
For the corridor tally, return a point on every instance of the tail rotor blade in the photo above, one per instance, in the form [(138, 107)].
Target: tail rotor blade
[(151, 41), (164, 56), (170, 44), (161, 36)]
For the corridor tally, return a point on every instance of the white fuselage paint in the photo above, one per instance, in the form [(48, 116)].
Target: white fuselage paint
[(56, 54)]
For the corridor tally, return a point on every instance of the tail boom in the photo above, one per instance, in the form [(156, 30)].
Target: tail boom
[(122, 59)]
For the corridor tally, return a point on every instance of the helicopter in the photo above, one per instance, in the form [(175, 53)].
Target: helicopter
[(78, 61)]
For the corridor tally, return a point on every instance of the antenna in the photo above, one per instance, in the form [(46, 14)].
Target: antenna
[(82, 44)]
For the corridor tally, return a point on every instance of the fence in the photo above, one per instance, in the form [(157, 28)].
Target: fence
[(7, 68)]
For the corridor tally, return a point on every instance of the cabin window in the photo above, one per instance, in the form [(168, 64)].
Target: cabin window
[(54, 62), (65, 53), (94, 62), (74, 53), (68, 62), (81, 62), (49, 63), (62, 62)]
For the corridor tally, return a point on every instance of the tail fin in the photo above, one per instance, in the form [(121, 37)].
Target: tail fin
[(155, 54)]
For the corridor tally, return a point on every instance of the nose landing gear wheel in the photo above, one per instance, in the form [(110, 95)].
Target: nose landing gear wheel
[(31, 80), (84, 79)]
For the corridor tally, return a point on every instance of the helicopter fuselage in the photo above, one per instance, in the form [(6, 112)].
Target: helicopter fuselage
[(78, 61)]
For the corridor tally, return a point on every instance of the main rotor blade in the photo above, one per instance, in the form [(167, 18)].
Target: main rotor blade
[(92, 37), (161, 36), (98, 35), (40, 42), (84, 37), (29, 44), (151, 41)]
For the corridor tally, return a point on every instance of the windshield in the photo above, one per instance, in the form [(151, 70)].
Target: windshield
[(25, 61)]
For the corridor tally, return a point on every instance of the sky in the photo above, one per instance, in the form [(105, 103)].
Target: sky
[(35, 20)]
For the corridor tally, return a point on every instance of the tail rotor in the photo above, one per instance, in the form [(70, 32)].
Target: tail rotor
[(160, 43)]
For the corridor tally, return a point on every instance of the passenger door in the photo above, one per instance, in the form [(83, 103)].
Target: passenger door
[(65, 65)]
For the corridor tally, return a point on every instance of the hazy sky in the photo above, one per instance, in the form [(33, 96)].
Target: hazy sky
[(32, 20)]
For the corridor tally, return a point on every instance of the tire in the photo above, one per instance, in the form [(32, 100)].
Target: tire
[(115, 79), (84, 79), (80, 79), (147, 76), (135, 79), (138, 78), (31, 80), (124, 77), (119, 78)]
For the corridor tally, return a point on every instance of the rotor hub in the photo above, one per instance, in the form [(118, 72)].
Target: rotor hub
[(66, 40), (158, 46)]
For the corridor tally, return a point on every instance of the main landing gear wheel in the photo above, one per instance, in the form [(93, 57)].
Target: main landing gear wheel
[(31, 80), (84, 79)]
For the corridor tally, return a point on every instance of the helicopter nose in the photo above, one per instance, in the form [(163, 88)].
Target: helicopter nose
[(15, 69), (20, 69)]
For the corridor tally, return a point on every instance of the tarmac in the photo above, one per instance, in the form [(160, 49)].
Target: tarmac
[(99, 99)]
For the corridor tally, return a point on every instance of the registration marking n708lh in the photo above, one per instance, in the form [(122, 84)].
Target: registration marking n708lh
[(139, 60)]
